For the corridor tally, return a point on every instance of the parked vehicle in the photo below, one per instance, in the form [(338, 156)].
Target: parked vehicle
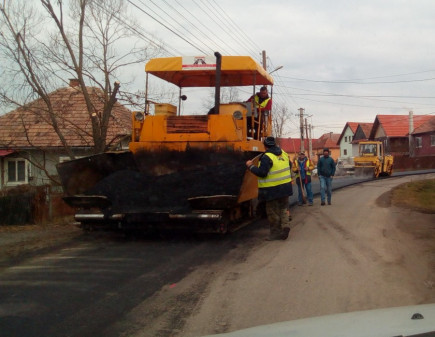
[(372, 160), (181, 170)]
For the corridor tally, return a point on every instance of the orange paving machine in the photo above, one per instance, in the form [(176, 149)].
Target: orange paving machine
[(181, 169)]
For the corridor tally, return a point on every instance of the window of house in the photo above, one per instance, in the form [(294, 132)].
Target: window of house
[(345, 139), (432, 140), (16, 171), (418, 142), (345, 152)]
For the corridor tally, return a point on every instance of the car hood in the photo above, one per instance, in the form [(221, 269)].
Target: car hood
[(399, 321)]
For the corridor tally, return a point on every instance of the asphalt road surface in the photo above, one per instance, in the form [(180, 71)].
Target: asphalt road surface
[(359, 253)]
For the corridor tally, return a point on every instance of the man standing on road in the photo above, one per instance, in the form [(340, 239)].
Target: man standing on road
[(274, 187), (325, 170), (303, 167)]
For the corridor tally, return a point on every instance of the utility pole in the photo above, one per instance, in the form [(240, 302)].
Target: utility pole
[(310, 142), (263, 53), (410, 131), (306, 135), (301, 120)]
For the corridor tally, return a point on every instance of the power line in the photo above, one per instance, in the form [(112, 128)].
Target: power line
[(358, 82), (207, 28), (174, 20), (161, 23), (142, 35), (217, 24), (229, 23), (355, 105), (237, 26), (195, 27)]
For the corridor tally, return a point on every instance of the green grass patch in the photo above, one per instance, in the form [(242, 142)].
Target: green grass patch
[(417, 195)]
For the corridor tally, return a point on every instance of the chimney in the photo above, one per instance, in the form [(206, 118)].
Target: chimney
[(410, 138), (74, 82)]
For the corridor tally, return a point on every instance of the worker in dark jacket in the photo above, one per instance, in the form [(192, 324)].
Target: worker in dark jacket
[(274, 187), (325, 170)]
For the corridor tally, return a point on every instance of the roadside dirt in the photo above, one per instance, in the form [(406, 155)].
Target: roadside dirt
[(360, 253), (19, 242)]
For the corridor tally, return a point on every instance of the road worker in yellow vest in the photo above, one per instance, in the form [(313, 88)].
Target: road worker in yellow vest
[(263, 103), (303, 167), (274, 187)]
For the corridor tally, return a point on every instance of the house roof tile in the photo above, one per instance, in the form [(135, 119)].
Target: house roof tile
[(366, 128), (327, 140), (352, 125), (31, 126), (397, 125), (292, 145), (428, 126)]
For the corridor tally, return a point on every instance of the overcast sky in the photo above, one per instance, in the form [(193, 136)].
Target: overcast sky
[(342, 60)]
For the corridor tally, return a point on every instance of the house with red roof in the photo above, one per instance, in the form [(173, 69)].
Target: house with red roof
[(347, 149), (330, 141), (362, 132), (30, 148), (293, 145), (424, 139), (394, 131)]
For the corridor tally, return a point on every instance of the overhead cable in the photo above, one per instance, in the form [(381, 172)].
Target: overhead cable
[(171, 30)]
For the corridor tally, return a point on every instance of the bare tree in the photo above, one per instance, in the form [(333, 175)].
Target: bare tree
[(44, 43), (228, 94), (280, 120)]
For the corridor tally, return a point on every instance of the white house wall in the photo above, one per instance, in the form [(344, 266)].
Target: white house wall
[(355, 150), (35, 173), (346, 144)]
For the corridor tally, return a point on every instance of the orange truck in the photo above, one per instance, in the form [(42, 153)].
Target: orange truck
[(181, 170)]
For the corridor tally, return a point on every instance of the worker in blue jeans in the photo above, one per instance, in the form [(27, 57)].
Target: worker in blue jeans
[(302, 168), (325, 170)]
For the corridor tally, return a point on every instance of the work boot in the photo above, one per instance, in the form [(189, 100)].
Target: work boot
[(285, 232), (329, 202), (322, 203)]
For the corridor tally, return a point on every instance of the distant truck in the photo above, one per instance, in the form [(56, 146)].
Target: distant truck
[(372, 160)]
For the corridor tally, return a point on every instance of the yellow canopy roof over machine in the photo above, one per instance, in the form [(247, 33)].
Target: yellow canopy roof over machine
[(200, 71)]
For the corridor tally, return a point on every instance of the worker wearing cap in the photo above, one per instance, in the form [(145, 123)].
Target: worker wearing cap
[(274, 187), (325, 170), (303, 167), (262, 99), (263, 104)]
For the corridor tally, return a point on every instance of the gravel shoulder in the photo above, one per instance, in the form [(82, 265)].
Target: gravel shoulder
[(361, 253), (20, 242)]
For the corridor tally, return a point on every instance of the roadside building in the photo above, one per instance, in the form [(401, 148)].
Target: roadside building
[(30, 148), (424, 139), (362, 133), (328, 140), (347, 149), (394, 131), (293, 146)]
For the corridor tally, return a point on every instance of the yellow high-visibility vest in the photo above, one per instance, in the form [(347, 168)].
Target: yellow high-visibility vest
[(307, 165), (279, 173), (262, 104)]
